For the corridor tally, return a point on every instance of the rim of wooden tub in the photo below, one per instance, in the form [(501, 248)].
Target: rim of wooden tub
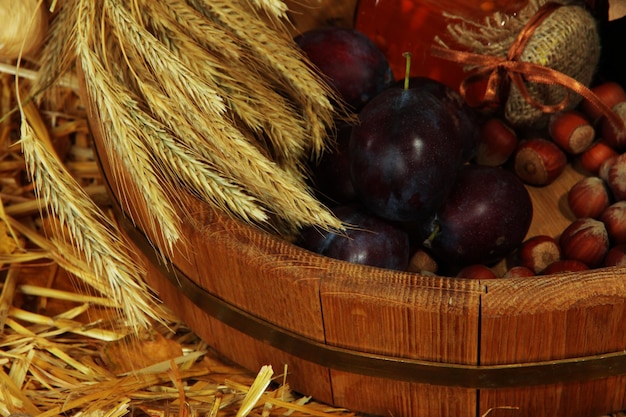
[(585, 368)]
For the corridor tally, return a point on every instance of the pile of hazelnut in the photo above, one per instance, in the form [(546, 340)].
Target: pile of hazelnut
[(597, 236)]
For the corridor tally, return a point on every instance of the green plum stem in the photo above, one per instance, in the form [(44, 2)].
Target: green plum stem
[(433, 234), (407, 71)]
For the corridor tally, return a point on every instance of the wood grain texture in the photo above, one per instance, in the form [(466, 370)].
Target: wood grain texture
[(555, 317), (551, 214), (383, 397), (250, 270), (593, 398), (402, 315), (248, 352)]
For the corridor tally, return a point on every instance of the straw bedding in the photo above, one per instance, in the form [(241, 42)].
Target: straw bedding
[(64, 349)]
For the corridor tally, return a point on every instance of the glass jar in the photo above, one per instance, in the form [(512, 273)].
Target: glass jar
[(399, 26)]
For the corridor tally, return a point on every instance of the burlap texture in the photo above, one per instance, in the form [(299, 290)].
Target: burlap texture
[(568, 42)]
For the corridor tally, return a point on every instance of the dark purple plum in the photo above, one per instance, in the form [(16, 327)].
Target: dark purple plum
[(351, 62), (466, 118), (405, 153), (486, 216), (369, 240), (331, 174)]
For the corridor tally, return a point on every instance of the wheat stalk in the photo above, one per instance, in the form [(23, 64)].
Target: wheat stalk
[(131, 132), (199, 175), (200, 137), (277, 8), (274, 52), (65, 256), (175, 78), (91, 233), (123, 139), (250, 138), (210, 96), (59, 55), (283, 193), (182, 29)]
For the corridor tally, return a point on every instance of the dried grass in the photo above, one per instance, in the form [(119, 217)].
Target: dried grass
[(55, 365), (64, 349)]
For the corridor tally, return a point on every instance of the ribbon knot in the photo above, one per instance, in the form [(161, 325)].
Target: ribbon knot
[(502, 72)]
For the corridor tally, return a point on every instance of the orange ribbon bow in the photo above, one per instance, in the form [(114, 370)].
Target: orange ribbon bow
[(501, 72)]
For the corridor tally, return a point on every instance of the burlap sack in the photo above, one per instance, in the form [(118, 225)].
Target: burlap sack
[(566, 41)]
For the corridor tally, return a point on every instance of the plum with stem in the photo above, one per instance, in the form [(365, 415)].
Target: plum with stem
[(405, 153), (486, 216)]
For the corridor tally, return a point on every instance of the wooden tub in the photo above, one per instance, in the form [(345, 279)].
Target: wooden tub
[(393, 343)]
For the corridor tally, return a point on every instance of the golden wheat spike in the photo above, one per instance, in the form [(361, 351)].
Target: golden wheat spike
[(253, 102), (92, 235), (58, 55), (273, 52), (170, 90)]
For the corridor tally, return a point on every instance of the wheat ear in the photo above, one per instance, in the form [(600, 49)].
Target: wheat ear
[(277, 8), (59, 53), (236, 157), (91, 234), (122, 137), (200, 176), (281, 61), (253, 101)]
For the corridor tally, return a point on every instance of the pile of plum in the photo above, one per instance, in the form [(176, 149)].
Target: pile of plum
[(421, 173)]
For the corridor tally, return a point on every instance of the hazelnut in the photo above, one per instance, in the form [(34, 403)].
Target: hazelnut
[(497, 143), (613, 135), (592, 158), (565, 265), (476, 271), (614, 219), (571, 131), (537, 252), (539, 161), (423, 262), (589, 197), (616, 256), (585, 240), (616, 178), (518, 271), (610, 93), (603, 171)]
